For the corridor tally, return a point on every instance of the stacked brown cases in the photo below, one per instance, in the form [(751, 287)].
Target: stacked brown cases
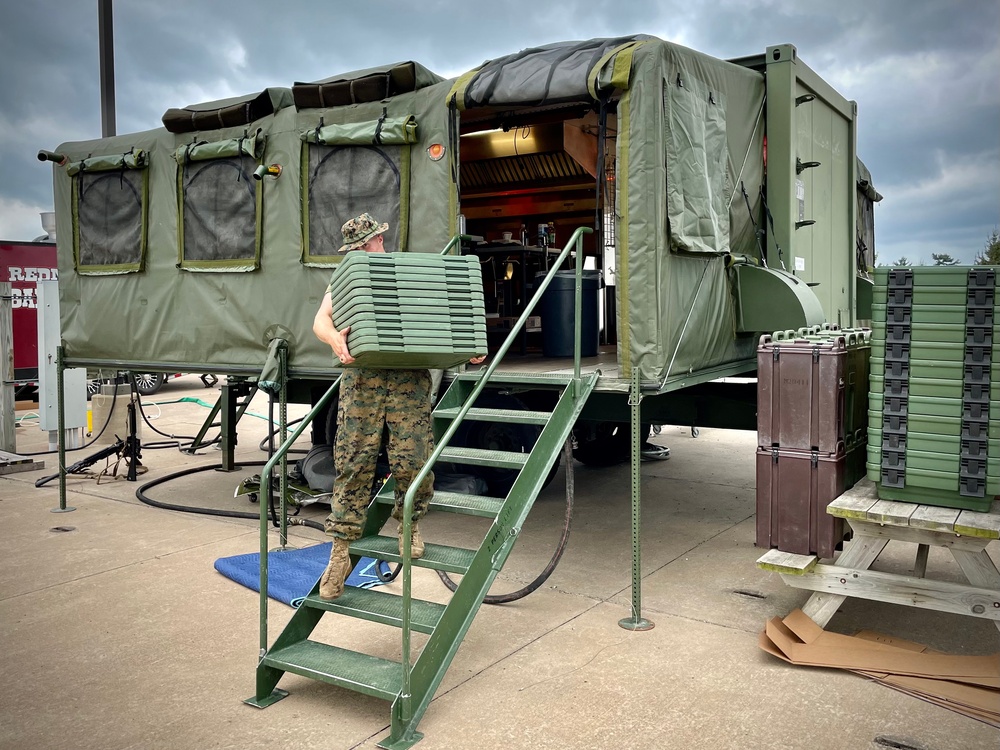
[(804, 383)]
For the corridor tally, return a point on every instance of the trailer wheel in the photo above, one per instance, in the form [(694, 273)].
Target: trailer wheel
[(604, 443)]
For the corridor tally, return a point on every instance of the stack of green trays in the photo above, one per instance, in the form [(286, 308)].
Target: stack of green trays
[(934, 405), (410, 310)]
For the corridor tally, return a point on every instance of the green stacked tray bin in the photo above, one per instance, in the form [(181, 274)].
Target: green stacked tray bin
[(934, 405), (410, 310)]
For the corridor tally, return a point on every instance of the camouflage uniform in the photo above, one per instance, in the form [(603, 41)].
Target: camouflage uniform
[(370, 398)]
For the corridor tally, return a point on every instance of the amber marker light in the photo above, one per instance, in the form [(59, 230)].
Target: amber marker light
[(435, 151)]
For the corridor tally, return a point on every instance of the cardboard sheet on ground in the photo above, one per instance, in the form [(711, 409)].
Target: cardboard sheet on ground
[(967, 684)]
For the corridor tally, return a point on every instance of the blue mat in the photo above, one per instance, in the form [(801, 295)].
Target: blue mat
[(292, 573)]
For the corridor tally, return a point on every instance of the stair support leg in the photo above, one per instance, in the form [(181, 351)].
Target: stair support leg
[(636, 621)]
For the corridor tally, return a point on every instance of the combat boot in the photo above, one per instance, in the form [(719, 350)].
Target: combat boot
[(416, 542), (331, 584)]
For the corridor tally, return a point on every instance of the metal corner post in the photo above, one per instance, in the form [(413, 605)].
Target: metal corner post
[(636, 621)]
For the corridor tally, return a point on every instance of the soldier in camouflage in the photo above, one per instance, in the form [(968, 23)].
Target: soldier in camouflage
[(369, 399)]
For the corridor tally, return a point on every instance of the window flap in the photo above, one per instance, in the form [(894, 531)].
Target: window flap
[(135, 158), (386, 131), (251, 145)]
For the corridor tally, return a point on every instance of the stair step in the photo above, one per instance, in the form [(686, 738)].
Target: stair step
[(436, 556), (470, 505), (479, 457), (456, 502), (513, 416), (380, 606), (552, 379), (362, 673)]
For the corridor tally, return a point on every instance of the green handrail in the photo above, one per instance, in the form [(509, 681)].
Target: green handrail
[(575, 241), (265, 486)]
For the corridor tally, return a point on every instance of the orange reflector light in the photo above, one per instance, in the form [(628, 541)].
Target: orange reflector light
[(435, 151)]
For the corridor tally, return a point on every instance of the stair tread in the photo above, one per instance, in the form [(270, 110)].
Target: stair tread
[(476, 505), (362, 673), (517, 416), (436, 556), (456, 502), (481, 457), (536, 378), (380, 606)]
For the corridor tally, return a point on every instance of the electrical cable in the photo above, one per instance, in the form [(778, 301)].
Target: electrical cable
[(96, 437), (542, 577), (140, 493)]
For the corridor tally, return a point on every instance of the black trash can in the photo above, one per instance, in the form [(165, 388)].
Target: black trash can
[(557, 307)]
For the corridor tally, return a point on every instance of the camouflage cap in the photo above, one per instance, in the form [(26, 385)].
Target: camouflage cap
[(359, 230)]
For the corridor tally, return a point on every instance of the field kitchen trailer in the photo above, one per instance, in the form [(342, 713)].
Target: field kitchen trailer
[(711, 200)]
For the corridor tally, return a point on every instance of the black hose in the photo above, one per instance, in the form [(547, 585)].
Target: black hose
[(542, 577), (140, 493)]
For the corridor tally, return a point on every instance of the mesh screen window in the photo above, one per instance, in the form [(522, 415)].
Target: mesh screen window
[(110, 219), (345, 181), (220, 213)]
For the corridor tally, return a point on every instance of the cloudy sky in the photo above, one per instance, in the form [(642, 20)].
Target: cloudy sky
[(925, 74)]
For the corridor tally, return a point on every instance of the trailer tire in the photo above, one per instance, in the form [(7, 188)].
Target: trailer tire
[(604, 443)]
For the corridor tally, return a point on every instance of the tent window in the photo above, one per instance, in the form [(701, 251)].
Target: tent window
[(109, 220), (220, 211), (344, 181)]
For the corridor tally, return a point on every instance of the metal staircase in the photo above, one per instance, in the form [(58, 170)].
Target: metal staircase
[(410, 684)]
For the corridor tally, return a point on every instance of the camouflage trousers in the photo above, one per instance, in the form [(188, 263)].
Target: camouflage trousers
[(369, 399)]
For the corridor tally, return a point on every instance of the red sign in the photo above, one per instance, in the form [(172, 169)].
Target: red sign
[(24, 264)]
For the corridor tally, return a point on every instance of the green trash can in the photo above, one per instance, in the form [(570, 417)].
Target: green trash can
[(557, 306)]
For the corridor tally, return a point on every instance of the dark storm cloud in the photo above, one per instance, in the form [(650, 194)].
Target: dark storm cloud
[(924, 74)]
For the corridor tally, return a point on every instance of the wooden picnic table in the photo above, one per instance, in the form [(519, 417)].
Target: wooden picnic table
[(877, 522)]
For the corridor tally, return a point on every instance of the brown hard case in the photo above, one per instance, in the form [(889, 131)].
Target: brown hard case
[(793, 490), (800, 394)]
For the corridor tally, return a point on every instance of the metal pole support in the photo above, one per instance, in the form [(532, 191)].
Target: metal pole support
[(636, 621), (61, 413)]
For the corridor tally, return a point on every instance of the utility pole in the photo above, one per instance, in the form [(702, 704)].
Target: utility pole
[(105, 24)]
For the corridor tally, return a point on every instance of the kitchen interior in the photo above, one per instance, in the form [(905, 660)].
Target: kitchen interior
[(528, 180)]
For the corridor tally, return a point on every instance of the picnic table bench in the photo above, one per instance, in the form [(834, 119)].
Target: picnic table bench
[(877, 522)]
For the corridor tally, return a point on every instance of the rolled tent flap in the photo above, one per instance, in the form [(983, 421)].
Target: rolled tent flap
[(251, 145), (389, 131), (227, 113), (368, 85), (132, 159), (551, 74)]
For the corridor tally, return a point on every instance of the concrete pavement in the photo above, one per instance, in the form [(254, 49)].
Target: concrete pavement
[(118, 633)]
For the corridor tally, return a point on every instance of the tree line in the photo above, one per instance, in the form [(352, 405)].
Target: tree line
[(988, 256)]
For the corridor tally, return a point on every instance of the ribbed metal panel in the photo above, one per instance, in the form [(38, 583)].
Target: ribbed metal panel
[(362, 673), (436, 556), (512, 416), (380, 606), (477, 457)]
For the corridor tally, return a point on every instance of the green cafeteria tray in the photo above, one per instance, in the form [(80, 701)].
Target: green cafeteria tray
[(952, 314), (942, 332), (929, 406), (948, 276), (944, 369), (939, 452)]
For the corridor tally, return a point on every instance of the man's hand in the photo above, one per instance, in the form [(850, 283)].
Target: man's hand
[(477, 360), (340, 347)]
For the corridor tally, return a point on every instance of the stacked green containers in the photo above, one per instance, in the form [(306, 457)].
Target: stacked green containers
[(935, 385), (410, 310)]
